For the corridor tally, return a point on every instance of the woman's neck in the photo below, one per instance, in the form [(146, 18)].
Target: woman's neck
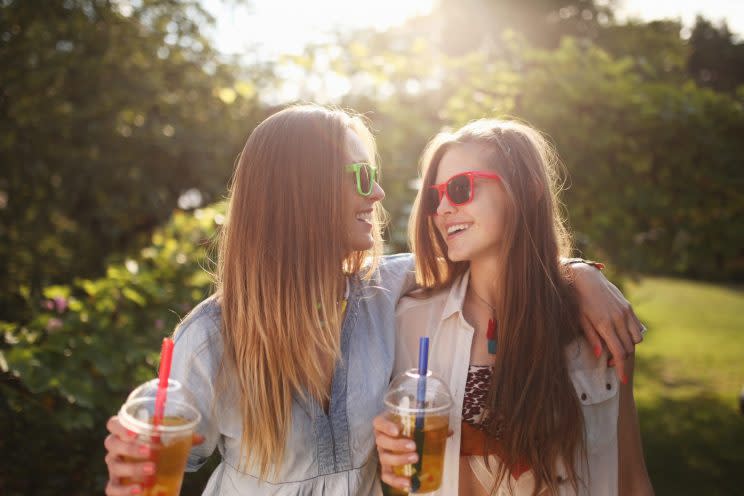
[(483, 274)]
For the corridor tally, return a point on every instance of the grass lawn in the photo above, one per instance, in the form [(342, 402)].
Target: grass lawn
[(689, 372)]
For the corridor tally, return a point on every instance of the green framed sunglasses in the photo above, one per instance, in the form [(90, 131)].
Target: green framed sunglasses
[(366, 176)]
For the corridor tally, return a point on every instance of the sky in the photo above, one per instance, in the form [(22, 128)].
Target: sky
[(274, 27)]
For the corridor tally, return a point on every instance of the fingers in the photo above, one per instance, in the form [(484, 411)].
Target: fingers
[(393, 459), (114, 489), (395, 444), (196, 439), (623, 332), (385, 426), (114, 427), (127, 459), (134, 471), (617, 350), (393, 451), (591, 335), (127, 447), (389, 478), (634, 324)]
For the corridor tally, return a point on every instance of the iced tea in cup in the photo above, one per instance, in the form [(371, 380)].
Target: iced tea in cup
[(170, 439), (420, 406)]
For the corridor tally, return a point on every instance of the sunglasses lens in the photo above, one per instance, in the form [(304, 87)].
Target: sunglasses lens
[(458, 189), (365, 179)]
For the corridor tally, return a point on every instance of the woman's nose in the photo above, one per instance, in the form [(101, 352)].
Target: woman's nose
[(378, 194), (444, 206)]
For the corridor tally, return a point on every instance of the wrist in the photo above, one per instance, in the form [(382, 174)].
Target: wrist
[(582, 261)]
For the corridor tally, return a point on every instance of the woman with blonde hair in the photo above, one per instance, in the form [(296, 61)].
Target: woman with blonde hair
[(289, 359), (536, 409)]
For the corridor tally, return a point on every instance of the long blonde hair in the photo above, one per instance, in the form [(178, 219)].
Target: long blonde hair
[(283, 253), (535, 413)]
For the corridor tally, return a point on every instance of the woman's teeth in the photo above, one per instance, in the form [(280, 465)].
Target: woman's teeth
[(457, 228), (365, 217)]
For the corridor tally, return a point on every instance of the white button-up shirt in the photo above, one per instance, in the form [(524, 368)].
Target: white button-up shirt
[(440, 317)]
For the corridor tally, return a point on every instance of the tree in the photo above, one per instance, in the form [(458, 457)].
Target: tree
[(110, 111), (716, 60)]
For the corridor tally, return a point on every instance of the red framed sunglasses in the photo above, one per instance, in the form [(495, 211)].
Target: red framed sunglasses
[(458, 188)]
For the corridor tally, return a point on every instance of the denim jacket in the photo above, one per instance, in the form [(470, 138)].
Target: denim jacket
[(325, 454)]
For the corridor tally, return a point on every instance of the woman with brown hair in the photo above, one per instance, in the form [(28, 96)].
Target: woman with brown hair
[(289, 359), (536, 409)]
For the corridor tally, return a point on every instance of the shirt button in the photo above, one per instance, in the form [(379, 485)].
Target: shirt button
[(609, 386), (583, 396)]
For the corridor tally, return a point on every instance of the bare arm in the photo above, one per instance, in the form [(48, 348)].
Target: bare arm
[(633, 476)]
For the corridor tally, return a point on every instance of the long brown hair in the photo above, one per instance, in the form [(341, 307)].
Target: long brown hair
[(283, 252), (535, 412)]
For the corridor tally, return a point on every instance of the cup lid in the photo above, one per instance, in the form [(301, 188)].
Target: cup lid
[(138, 411), (404, 394)]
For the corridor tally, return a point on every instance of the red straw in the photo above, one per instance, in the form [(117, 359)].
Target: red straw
[(166, 357)]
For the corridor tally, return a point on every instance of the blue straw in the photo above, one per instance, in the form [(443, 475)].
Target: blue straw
[(418, 432), (423, 367)]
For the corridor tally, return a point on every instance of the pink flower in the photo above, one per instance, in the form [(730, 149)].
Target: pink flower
[(61, 304)]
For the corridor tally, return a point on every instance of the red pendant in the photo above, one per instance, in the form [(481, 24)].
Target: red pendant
[(491, 336)]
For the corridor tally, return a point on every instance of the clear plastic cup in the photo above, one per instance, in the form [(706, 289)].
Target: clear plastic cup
[(425, 422), (170, 440)]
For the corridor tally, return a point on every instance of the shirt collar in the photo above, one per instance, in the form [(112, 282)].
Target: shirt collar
[(456, 296)]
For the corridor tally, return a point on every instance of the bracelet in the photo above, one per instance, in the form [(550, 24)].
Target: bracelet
[(571, 261)]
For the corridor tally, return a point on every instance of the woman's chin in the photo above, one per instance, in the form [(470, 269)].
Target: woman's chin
[(362, 243), (456, 256)]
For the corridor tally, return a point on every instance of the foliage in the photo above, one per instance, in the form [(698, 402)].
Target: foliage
[(109, 112), (653, 159), (647, 175), (716, 59), (86, 346)]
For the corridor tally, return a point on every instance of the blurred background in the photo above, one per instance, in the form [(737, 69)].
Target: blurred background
[(120, 121)]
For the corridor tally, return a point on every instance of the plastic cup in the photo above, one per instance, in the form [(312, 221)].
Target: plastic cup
[(425, 422), (170, 440)]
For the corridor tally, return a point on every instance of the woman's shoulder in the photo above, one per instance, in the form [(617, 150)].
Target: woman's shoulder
[(395, 274), (398, 263), (201, 324), (421, 300)]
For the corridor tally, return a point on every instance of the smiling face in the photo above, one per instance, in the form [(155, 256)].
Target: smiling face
[(359, 222), (473, 230)]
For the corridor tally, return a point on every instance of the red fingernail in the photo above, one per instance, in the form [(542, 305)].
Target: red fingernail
[(144, 450), (135, 490), (597, 351), (149, 481), (148, 469), (131, 434)]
